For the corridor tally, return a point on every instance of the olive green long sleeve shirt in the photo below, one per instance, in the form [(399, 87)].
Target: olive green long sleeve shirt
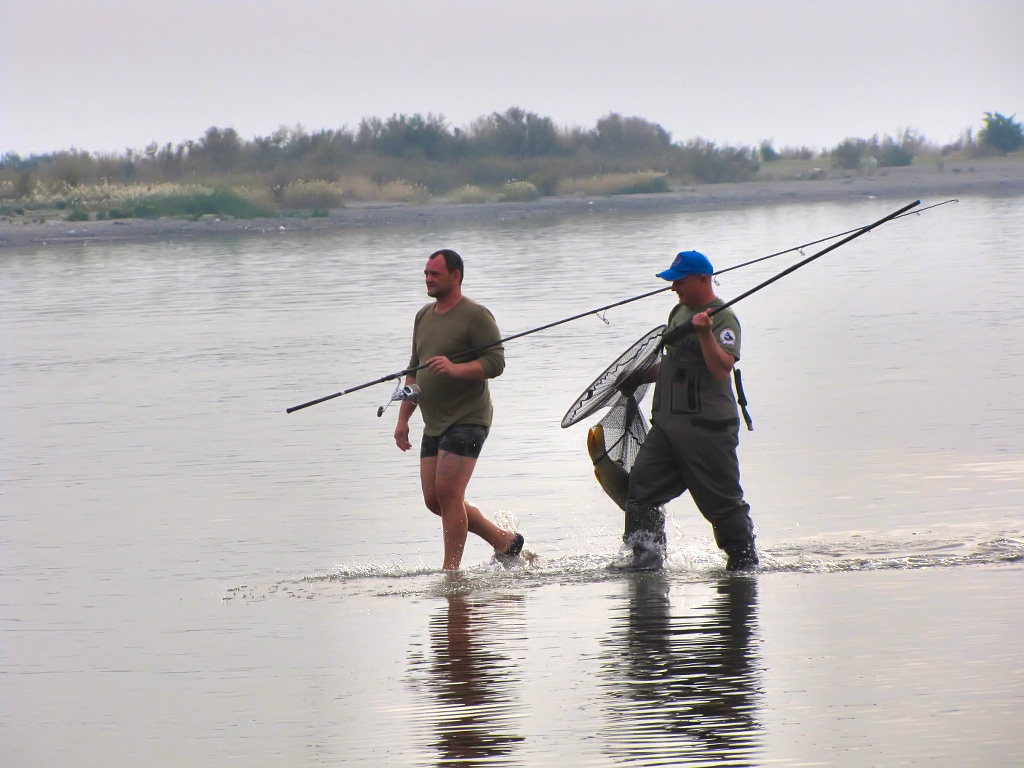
[(449, 400)]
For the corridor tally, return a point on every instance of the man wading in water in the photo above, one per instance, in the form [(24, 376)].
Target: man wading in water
[(456, 405), (695, 430)]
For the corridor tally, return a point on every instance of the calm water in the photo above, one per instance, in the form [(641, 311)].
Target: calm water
[(191, 576)]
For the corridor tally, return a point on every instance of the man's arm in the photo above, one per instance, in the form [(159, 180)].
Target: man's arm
[(718, 361), (405, 412), (490, 362), (474, 369)]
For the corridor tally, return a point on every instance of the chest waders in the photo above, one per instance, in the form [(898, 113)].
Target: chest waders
[(691, 447)]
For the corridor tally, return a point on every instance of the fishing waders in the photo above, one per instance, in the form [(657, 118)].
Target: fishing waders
[(691, 447)]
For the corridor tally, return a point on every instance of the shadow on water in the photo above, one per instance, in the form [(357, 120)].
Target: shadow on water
[(469, 682), (683, 687)]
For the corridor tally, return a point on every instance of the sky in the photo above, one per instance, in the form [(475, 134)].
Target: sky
[(104, 75)]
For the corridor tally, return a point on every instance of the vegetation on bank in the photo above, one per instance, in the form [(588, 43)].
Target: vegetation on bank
[(512, 156)]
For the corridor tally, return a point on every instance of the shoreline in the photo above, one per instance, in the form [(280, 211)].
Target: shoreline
[(978, 179)]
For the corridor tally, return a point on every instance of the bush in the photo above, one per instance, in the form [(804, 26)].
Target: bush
[(768, 153), (519, 192), (616, 184), (644, 182), (192, 205), (78, 214), (893, 154), (796, 153), (546, 181), (705, 162), (311, 194), (1001, 133), (401, 192), (848, 154), (24, 185), (469, 194)]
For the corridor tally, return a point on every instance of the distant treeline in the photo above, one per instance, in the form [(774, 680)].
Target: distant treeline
[(412, 157), (421, 150)]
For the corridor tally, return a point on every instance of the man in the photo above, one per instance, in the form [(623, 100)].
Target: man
[(695, 429), (456, 405)]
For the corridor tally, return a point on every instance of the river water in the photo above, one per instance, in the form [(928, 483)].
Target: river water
[(192, 577)]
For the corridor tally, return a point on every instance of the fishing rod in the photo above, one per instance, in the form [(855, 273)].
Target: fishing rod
[(856, 233), (800, 248), (474, 350), (682, 329)]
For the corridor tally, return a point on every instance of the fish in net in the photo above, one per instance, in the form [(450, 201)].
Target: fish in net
[(614, 442)]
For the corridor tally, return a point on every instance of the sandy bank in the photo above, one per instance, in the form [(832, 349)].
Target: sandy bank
[(957, 179)]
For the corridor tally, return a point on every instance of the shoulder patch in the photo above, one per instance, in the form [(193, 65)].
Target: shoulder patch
[(727, 337)]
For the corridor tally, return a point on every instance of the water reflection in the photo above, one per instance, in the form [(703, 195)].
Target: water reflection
[(684, 688), (472, 681)]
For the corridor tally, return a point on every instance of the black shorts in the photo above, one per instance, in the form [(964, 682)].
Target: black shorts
[(460, 439)]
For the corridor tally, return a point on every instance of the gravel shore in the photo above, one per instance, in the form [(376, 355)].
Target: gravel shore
[(996, 177)]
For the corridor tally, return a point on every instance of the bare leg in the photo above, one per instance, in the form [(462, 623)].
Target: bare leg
[(444, 479), (488, 531), (453, 474), (428, 482)]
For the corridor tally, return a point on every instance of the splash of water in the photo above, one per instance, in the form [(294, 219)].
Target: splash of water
[(691, 560)]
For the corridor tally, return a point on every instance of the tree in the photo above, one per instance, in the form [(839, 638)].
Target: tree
[(768, 153), (620, 136), (1001, 133), (895, 153), (848, 154), (516, 133)]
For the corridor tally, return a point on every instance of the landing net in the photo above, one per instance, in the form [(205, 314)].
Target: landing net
[(618, 378), (621, 388)]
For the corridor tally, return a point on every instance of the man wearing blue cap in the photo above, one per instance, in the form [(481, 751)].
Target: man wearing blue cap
[(695, 430)]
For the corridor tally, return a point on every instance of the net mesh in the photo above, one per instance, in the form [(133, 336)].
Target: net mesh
[(618, 379), (625, 427)]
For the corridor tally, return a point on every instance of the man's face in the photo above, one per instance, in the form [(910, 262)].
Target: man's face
[(689, 289), (439, 280)]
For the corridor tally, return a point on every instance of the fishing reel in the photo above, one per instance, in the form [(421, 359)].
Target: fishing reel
[(409, 392)]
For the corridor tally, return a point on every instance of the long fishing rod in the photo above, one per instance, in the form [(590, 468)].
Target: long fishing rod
[(474, 350), (918, 212), (857, 232), (683, 328)]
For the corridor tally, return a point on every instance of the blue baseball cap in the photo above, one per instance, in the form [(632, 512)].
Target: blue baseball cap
[(688, 263)]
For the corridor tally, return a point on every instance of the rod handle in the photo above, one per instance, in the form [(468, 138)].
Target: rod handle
[(677, 333)]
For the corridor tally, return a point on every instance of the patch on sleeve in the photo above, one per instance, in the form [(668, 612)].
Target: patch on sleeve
[(727, 337)]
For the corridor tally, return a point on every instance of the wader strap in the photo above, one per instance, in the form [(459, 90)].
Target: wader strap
[(719, 425), (741, 398)]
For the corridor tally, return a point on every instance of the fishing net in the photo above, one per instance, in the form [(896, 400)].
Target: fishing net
[(618, 378), (614, 442), (622, 430)]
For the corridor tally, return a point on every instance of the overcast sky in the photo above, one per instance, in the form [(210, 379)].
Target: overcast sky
[(110, 74)]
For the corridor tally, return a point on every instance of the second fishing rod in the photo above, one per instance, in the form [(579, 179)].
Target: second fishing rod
[(672, 336), (682, 329)]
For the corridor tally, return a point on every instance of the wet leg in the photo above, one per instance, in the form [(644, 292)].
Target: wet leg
[(428, 482), (653, 481), (457, 517), (713, 476), (455, 487), (498, 538)]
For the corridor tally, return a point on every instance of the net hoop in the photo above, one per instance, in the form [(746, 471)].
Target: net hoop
[(604, 388)]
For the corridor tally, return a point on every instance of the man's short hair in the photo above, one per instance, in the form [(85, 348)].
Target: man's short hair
[(452, 261)]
